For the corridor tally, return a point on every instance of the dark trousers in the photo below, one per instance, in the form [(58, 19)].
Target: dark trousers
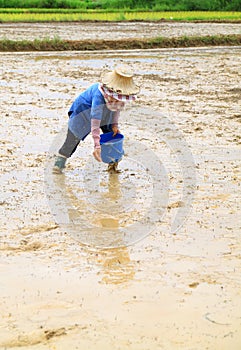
[(71, 142)]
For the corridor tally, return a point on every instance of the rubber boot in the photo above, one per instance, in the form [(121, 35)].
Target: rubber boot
[(59, 164), (112, 168)]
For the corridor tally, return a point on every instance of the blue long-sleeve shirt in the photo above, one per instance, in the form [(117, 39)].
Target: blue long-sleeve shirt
[(90, 104)]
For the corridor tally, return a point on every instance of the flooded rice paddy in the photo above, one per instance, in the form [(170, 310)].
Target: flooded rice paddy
[(113, 31), (155, 287)]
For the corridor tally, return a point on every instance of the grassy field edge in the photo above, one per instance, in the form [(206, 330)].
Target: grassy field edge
[(57, 44)]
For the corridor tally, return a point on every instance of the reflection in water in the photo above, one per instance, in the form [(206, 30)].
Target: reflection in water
[(113, 195), (116, 262), (97, 218), (114, 188), (108, 222), (101, 210), (108, 211), (117, 265)]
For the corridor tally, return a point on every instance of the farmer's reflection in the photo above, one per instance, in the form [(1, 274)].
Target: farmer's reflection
[(114, 186), (117, 266)]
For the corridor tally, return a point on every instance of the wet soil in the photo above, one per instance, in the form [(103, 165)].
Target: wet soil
[(113, 31), (167, 291)]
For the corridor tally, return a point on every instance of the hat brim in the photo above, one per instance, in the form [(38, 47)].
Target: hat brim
[(120, 84)]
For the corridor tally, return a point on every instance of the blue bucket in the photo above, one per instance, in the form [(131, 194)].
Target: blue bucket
[(111, 147)]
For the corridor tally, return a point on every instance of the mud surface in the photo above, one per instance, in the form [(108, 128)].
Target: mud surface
[(113, 31), (168, 291)]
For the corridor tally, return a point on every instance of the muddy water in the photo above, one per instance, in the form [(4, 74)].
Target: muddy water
[(120, 30), (170, 291)]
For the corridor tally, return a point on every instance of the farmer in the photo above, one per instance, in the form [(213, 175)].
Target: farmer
[(97, 108)]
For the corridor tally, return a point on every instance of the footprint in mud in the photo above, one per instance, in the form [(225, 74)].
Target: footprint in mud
[(31, 246), (54, 333), (36, 229), (24, 246), (34, 338)]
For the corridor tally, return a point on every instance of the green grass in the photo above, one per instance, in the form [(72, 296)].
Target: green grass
[(57, 44), (122, 5), (63, 15)]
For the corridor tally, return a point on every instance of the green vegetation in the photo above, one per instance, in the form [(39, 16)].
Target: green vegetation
[(119, 10), (57, 44), (157, 5), (73, 15)]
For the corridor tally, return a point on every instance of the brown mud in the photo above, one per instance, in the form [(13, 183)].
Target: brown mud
[(114, 31), (115, 36), (169, 291), (122, 44)]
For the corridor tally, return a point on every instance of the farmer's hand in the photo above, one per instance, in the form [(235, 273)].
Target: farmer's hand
[(97, 155), (115, 130)]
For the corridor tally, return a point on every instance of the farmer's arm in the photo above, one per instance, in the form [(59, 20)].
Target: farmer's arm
[(96, 116), (115, 122), (95, 131)]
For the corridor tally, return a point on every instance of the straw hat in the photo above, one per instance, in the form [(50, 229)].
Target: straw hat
[(120, 80)]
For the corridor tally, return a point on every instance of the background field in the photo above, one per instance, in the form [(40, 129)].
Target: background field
[(19, 15)]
